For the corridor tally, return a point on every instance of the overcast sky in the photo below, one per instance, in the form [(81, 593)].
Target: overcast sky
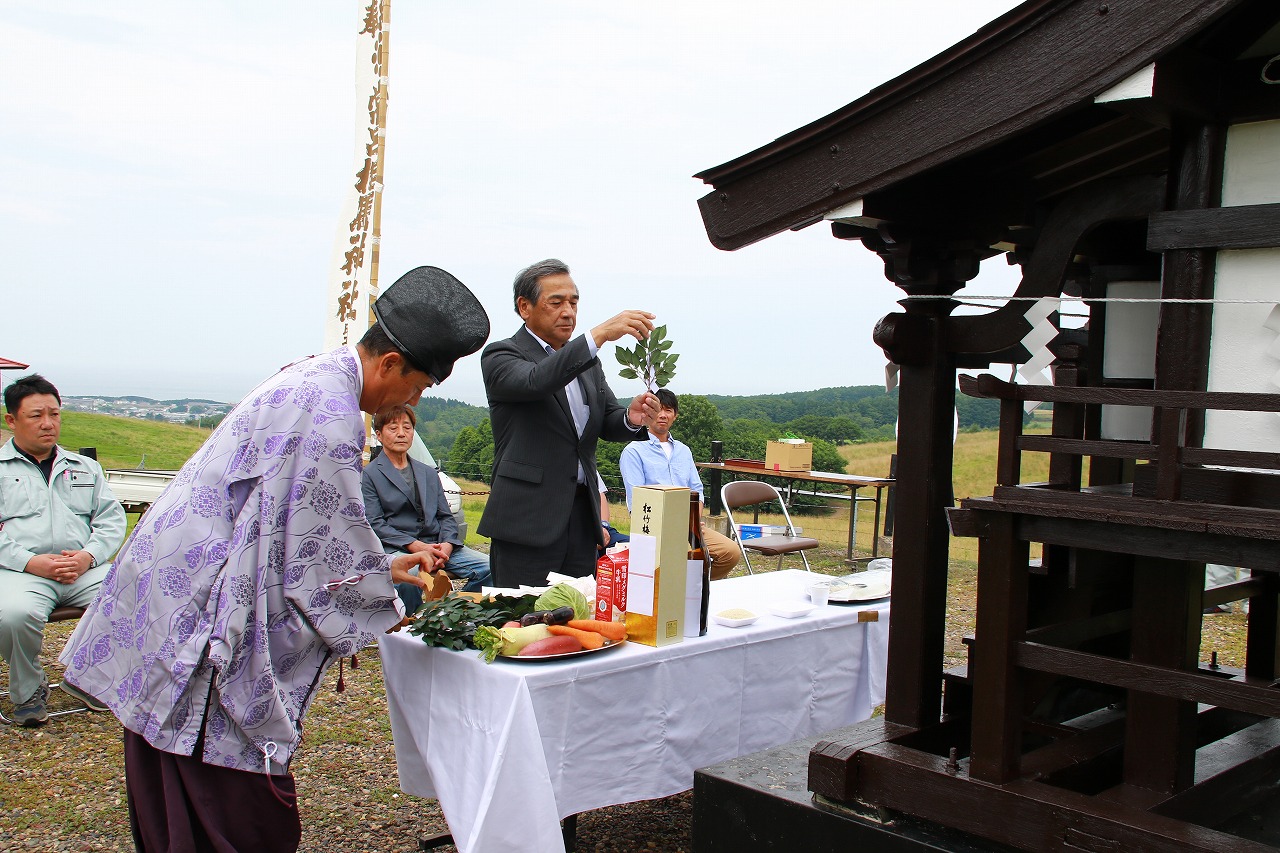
[(174, 175)]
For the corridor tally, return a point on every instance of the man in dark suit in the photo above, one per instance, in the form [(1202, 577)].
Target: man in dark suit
[(407, 509), (549, 404)]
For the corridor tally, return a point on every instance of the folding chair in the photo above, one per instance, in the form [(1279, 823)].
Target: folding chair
[(743, 493), (59, 614)]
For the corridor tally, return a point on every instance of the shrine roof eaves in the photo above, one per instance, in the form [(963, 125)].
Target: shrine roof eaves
[(1037, 62)]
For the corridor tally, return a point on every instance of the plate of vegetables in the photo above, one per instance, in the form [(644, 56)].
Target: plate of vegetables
[(553, 640), (552, 626)]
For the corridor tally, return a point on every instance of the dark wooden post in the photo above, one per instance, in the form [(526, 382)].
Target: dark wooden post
[(1002, 624), (1160, 732), (1160, 740), (916, 341), (917, 634), (1182, 345)]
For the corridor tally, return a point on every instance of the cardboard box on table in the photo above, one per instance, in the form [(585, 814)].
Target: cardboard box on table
[(756, 531), (658, 564), (788, 456)]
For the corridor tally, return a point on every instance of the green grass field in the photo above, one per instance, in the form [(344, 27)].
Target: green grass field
[(131, 443), (973, 471)]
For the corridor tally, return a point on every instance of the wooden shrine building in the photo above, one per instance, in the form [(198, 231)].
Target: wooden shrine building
[(1126, 155)]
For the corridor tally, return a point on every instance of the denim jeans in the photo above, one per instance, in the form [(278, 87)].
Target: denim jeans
[(463, 563)]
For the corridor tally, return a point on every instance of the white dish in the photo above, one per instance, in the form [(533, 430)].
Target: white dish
[(854, 588), (791, 609), (731, 622)]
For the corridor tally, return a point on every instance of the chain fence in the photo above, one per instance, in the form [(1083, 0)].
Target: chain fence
[(828, 518)]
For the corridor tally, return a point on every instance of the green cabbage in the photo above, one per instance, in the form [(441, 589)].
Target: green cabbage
[(561, 595)]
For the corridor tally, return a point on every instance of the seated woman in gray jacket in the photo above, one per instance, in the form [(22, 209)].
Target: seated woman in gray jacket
[(407, 508)]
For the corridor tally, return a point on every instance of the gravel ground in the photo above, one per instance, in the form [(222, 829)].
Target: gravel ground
[(62, 785)]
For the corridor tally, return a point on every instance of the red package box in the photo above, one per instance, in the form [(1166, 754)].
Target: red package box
[(611, 587)]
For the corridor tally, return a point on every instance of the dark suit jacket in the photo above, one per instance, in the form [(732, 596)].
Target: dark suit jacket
[(536, 449), (390, 511)]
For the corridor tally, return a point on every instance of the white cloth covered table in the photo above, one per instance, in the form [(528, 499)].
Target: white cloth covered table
[(510, 748)]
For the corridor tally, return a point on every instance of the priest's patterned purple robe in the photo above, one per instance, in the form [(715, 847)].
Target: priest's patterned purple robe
[(226, 594)]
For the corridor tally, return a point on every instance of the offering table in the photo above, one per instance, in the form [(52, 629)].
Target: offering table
[(510, 748)]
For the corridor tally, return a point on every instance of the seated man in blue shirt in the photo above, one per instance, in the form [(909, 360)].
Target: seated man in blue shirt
[(663, 461), (407, 509)]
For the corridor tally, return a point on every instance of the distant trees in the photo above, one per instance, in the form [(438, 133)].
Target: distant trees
[(747, 439), (205, 421), (472, 453), (828, 417), (441, 421)]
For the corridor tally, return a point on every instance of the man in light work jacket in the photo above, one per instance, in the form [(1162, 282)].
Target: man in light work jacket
[(549, 404), (59, 524), (663, 461)]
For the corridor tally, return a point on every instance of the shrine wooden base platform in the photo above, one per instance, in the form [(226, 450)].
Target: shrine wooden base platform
[(762, 802)]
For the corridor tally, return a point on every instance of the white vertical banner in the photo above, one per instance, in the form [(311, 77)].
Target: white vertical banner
[(352, 271)]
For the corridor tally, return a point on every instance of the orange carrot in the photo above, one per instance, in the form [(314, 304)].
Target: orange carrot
[(611, 630), (589, 639)]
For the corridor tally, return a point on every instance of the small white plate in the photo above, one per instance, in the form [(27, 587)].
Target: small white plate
[(791, 609), (866, 586), (741, 622)]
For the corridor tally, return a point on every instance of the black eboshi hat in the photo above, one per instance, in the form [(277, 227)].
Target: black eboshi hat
[(433, 318)]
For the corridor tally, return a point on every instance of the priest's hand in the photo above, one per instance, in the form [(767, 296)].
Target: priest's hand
[(401, 566)]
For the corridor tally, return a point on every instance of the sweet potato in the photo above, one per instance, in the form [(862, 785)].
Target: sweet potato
[(589, 639), (610, 630), (551, 646)]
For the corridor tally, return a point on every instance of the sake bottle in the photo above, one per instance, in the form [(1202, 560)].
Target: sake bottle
[(699, 570)]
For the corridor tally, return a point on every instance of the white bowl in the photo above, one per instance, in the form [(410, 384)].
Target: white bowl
[(791, 609), (732, 622)]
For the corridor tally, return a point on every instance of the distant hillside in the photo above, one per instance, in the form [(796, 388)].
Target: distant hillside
[(837, 415), (823, 402), (857, 413), (131, 442)]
